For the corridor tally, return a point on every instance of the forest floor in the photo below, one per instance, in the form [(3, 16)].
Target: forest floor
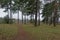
[(29, 32), (22, 34), (13, 32)]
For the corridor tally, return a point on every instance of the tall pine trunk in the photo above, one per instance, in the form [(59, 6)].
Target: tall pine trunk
[(50, 21), (31, 20), (55, 14), (8, 16), (39, 19), (25, 20), (10, 21), (22, 17), (35, 19), (36, 15), (18, 16), (8, 13)]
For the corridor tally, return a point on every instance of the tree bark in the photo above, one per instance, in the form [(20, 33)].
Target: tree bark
[(55, 14), (10, 13), (31, 18), (39, 19), (22, 17), (25, 20), (36, 15), (18, 16)]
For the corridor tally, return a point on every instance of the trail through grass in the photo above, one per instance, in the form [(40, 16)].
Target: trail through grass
[(43, 32)]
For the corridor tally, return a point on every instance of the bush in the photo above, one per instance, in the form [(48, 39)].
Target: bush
[(7, 20)]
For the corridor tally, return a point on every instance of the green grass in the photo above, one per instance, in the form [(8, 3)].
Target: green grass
[(8, 31), (43, 32)]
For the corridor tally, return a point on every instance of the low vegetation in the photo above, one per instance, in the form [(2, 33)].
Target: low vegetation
[(43, 32), (8, 31)]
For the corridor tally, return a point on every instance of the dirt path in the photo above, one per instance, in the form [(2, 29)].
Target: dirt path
[(22, 35)]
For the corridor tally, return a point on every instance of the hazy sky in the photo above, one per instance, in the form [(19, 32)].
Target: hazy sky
[(2, 14)]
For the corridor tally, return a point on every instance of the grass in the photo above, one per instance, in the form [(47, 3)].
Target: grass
[(8, 31), (43, 32)]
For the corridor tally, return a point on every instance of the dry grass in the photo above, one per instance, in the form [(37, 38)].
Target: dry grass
[(8, 31), (43, 32)]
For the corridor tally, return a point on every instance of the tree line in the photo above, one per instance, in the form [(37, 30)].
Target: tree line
[(32, 7)]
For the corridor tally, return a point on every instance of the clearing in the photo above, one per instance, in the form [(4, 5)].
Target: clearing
[(29, 32)]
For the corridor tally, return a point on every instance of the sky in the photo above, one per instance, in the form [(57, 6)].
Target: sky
[(3, 14)]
